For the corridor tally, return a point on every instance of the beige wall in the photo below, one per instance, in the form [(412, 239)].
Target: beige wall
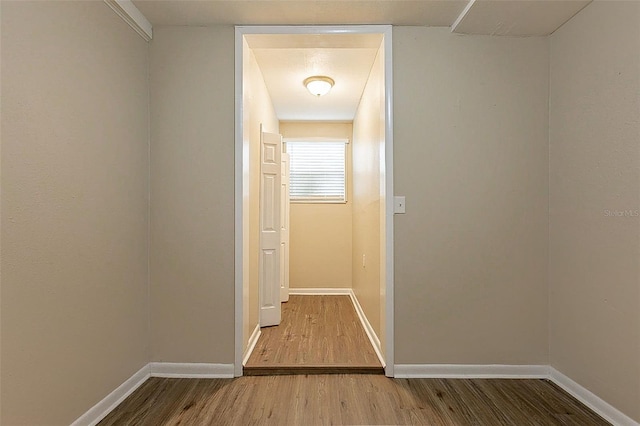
[(471, 156), (368, 143), (320, 234), (595, 168), (192, 194), (75, 190), (258, 109)]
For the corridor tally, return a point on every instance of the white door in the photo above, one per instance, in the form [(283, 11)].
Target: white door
[(270, 194), (284, 230)]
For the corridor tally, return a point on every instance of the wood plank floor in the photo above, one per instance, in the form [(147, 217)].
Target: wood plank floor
[(350, 399), (317, 335)]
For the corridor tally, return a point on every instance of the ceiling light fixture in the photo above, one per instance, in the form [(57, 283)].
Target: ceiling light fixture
[(319, 85)]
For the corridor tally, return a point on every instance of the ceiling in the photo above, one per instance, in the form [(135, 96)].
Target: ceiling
[(517, 18), (286, 60), (491, 17), (301, 12)]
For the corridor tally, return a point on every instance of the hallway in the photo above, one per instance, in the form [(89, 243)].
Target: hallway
[(318, 335)]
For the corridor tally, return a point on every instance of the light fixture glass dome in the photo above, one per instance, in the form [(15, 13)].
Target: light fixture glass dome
[(319, 85)]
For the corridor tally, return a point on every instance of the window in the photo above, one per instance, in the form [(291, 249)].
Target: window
[(317, 171)]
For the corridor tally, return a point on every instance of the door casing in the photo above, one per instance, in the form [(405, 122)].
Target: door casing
[(241, 163)]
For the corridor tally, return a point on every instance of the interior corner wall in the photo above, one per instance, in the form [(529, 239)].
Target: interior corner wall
[(257, 110), (320, 233), (368, 143), (192, 194), (594, 202), (471, 157), (75, 161)]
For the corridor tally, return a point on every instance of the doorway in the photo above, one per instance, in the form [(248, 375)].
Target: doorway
[(242, 184)]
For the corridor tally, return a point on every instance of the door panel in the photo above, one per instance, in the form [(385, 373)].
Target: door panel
[(267, 209), (270, 240), (269, 274)]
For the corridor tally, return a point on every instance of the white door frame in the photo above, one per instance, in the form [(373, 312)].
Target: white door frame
[(386, 31)]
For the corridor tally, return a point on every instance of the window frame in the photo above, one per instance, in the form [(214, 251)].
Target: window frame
[(322, 200)]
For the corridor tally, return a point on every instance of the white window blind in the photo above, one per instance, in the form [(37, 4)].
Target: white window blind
[(317, 170)]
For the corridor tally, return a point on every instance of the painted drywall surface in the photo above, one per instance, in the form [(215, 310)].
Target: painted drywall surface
[(471, 157), (0, 227), (320, 234), (258, 109), (368, 141), (75, 208), (192, 194), (594, 202)]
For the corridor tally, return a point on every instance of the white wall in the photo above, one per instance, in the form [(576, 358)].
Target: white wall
[(192, 194), (75, 162), (471, 156), (594, 173)]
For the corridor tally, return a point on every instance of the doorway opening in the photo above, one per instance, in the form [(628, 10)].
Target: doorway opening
[(257, 264)]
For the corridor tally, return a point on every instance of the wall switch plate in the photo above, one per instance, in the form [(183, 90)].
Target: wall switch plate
[(399, 204)]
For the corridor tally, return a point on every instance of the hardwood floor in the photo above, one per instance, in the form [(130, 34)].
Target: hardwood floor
[(350, 399), (317, 335), (322, 334)]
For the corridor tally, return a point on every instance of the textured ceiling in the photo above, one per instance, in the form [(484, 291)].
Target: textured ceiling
[(491, 17), (300, 12), (517, 18), (284, 71), (286, 60)]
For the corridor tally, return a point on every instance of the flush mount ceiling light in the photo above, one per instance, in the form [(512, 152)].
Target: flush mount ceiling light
[(319, 85)]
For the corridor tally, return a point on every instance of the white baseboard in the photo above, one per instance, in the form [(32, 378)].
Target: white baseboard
[(461, 371), (191, 370), (373, 337), (153, 369), (111, 401), (588, 398), (320, 291), (455, 371), (470, 371), (253, 339)]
